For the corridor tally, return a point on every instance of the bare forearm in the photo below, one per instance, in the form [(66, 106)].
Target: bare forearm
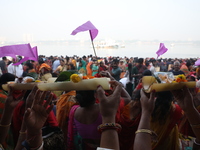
[(22, 137), (141, 137), (124, 94), (34, 139), (5, 124), (109, 138)]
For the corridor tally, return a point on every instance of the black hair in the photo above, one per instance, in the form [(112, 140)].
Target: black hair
[(147, 73), (6, 77), (140, 60), (30, 65), (41, 61), (85, 98), (72, 66), (162, 106), (188, 64), (115, 61)]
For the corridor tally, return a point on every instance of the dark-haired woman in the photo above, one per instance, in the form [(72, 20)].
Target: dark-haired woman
[(130, 79), (83, 122)]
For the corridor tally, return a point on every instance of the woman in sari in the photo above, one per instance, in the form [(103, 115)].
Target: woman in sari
[(44, 70), (83, 122)]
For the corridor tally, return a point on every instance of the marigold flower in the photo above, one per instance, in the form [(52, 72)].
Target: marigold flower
[(181, 78), (75, 78)]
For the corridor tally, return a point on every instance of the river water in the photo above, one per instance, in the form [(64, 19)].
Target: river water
[(130, 49)]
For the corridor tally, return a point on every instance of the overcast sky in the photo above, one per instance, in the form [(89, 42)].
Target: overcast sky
[(117, 19)]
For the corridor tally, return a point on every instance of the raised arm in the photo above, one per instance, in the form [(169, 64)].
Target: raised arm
[(144, 133), (185, 101), (10, 104), (108, 109), (35, 118)]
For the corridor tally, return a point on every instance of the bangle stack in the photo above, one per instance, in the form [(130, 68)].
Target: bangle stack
[(154, 136), (109, 126), (1, 125)]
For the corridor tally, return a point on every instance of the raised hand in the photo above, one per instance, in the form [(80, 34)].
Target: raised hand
[(109, 104), (36, 116), (12, 100), (147, 103), (184, 98)]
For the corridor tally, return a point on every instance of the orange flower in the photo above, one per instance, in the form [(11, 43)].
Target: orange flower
[(85, 77)]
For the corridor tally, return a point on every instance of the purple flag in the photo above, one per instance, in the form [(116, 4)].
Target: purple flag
[(87, 26), (13, 50), (34, 49), (197, 63), (161, 50)]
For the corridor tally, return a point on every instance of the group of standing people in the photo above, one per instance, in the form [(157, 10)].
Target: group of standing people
[(124, 117)]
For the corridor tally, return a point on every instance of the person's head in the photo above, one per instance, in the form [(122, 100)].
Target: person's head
[(101, 63), (85, 98), (70, 66), (4, 58), (147, 73), (127, 60), (95, 62), (6, 77), (177, 65), (115, 63), (188, 64), (62, 62), (140, 61), (84, 57), (162, 106), (121, 62), (41, 61), (153, 62), (28, 65)]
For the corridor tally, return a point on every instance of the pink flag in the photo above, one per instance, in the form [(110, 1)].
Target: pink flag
[(13, 50), (197, 63), (161, 50), (87, 26), (34, 49)]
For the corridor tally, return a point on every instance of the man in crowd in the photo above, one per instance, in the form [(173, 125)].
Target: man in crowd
[(176, 71), (116, 71)]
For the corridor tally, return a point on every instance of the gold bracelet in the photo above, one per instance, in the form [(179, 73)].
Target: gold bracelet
[(20, 132), (1, 125), (154, 136), (144, 131), (195, 126)]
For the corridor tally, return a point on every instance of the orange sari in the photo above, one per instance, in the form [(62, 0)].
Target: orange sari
[(89, 70)]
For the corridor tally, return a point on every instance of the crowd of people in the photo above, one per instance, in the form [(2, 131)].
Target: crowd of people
[(124, 117)]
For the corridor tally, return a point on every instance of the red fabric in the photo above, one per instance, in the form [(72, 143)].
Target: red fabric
[(18, 118), (177, 115)]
